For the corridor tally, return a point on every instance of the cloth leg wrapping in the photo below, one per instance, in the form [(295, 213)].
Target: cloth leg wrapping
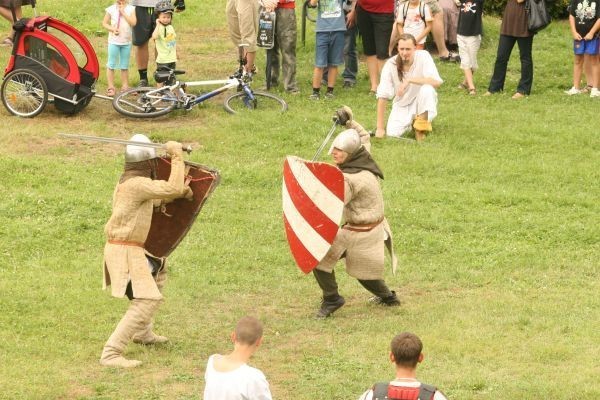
[(327, 283), (138, 315), (145, 335)]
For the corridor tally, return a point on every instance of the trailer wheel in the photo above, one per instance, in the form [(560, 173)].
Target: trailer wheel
[(24, 93)]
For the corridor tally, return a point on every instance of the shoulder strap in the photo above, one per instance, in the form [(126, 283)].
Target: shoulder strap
[(404, 10), (426, 392), (380, 390), (405, 6)]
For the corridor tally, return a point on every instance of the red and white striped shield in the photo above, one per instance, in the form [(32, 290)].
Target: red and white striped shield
[(313, 203)]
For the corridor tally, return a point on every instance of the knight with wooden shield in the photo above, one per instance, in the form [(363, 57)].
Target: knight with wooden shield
[(127, 269), (315, 200)]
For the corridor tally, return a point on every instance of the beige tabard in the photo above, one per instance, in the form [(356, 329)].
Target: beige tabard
[(133, 202), (364, 250)]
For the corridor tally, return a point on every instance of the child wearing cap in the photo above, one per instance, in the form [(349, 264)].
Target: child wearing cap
[(164, 36)]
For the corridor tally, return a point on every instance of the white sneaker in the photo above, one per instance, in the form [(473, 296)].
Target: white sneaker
[(572, 91), (595, 92)]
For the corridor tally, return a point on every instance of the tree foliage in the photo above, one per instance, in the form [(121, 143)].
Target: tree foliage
[(557, 8)]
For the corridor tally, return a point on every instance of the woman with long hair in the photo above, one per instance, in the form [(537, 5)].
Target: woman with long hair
[(410, 80)]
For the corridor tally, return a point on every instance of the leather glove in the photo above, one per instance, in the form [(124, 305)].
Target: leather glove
[(174, 148), (188, 194), (343, 115)]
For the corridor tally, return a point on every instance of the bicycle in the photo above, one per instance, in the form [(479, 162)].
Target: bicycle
[(150, 102)]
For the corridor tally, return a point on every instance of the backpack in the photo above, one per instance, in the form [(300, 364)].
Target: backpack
[(404, 6), (385, 391)]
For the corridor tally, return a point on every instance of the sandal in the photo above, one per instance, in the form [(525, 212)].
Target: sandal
[(463, 85), (472, 92), (7, 42), (110, 91)]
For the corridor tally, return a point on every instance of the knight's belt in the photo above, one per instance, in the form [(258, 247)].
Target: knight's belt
[(362, 228), (126, 243)]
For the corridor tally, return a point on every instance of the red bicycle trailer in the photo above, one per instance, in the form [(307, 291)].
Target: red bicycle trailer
[(50, 61)]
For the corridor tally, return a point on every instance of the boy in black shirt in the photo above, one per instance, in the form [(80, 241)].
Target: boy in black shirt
[(584, 22), (469, 39)]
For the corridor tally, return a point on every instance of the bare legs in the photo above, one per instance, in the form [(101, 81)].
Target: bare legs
[(374, 67)]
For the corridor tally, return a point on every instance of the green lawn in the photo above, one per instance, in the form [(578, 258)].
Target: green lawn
[(496, 220)]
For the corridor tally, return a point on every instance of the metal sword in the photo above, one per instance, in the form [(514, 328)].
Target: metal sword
[(187, 149), (320, 149)]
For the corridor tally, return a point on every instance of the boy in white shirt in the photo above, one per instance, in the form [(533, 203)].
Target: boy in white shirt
[(229, 377)]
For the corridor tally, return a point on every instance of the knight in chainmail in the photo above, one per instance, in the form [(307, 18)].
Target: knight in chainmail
[(128, 268), (360, 241)]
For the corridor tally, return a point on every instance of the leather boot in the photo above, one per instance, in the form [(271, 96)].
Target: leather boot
[(138, 315), (329, 304), (422, 127), (391, 300), (383, 295)]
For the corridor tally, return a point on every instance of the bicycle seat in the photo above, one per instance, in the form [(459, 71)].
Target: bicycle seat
[(163, 75)]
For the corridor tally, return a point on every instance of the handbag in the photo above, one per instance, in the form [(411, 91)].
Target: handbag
[(538, 16)]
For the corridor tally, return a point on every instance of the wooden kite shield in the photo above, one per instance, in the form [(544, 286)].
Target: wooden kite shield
[(313, 204), (169, 226)]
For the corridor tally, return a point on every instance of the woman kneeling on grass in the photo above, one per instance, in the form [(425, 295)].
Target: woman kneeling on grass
[(410, 80)]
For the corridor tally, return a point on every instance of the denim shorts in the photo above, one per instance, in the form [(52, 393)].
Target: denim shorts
[(590, 47), (329, 49)]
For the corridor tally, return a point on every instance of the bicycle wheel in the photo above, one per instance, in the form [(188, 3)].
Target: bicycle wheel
[(24, 93), (240, 101), (145, 102)]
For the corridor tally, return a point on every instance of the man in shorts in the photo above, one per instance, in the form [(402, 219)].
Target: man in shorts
[(242, 20), (142, 32)]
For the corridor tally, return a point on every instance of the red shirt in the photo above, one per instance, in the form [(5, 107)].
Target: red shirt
[(286, 4), (377, 6)]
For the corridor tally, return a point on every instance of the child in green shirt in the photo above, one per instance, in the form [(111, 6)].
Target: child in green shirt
[(164, 36)]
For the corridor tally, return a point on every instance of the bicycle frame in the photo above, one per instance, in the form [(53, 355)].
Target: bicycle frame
[(227, 84)]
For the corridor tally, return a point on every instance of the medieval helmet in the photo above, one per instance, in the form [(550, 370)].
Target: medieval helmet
[(348, 141), (164, 6), (135, 153)]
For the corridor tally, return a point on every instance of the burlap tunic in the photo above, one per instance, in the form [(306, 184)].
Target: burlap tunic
[(364, 251), (130, 222)]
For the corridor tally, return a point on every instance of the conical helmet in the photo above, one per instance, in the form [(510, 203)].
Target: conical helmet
[(135, 153), (348, 141)]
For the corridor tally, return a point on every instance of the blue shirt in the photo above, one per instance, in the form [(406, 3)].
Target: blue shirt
[(330, 17)]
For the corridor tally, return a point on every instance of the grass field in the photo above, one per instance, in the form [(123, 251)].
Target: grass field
[(496, 220)]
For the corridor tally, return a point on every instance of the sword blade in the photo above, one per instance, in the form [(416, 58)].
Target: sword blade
[(111, 140), (125, 142), (329, 135)]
